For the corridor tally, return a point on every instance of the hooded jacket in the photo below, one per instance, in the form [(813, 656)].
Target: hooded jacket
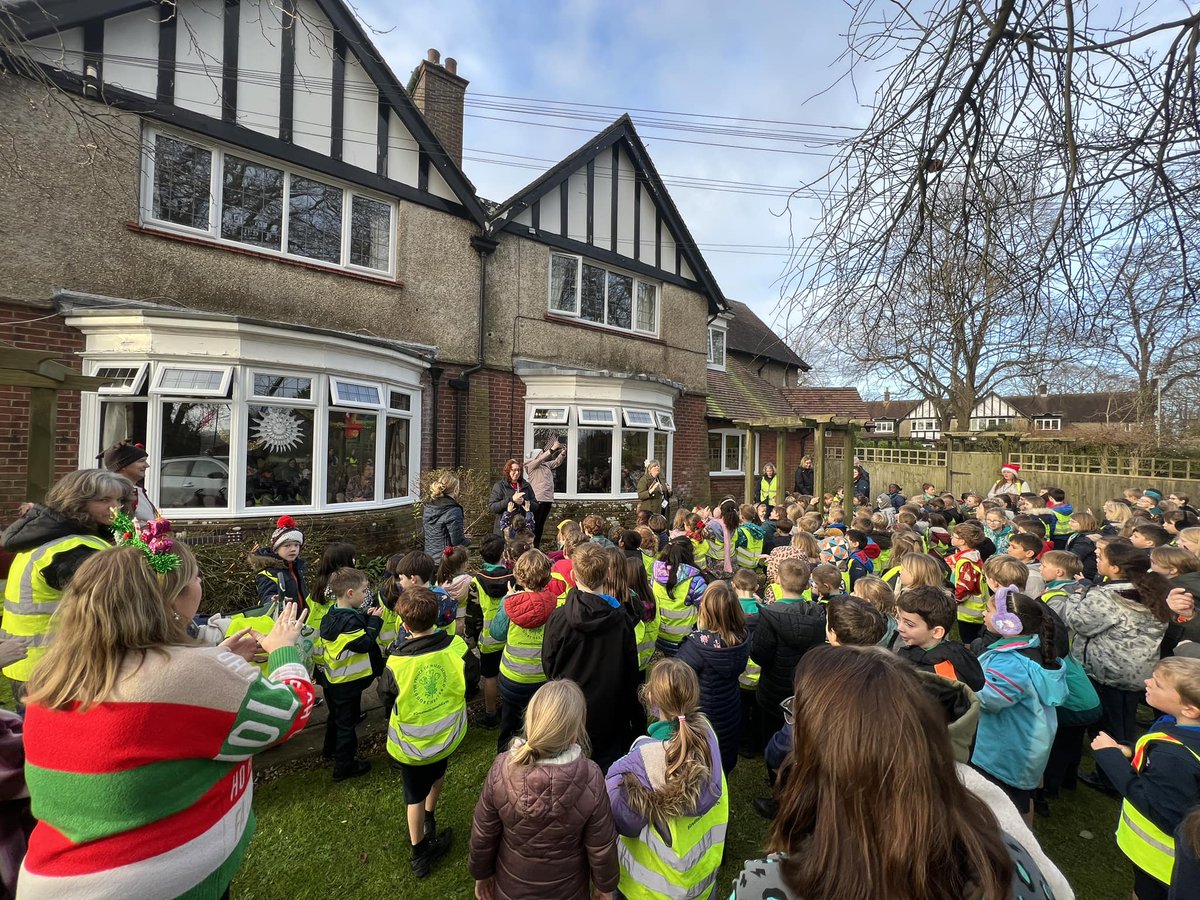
[(1114, 637), (718, 666), (785, 632), (543, 831), (278, 578), (1018, 722), (443, 522), (949, 659), (1084, 547), (528, 609), (40, 525), (590, 640)]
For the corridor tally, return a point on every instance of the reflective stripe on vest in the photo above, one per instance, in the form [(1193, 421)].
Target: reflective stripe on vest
[(343, 664), (522, 659), (676, 619), (891, 576), (1148, 847), (646, 633), (429, 718), (748, 680), (768, 490), (389, 631), (970, 609), (700, 553), (683, 869), (490, 606), (748, 556), (29, 601)]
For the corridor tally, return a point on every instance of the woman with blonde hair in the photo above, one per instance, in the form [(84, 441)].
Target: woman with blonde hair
[(542, 828), (442, 516), (668, 794), (138, 740)]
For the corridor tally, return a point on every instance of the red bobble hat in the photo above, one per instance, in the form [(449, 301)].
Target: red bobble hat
[(286, 530)]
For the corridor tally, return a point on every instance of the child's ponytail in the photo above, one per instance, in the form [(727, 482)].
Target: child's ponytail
[(1134, 566), (452, 563)]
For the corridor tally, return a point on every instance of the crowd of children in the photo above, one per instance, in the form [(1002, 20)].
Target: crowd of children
[(1033, 624)]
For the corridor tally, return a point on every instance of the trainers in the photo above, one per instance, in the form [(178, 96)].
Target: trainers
[(488, 720), (357, 769), (431, 849)]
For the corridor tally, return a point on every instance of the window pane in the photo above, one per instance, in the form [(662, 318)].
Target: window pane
[(350, 392), (279, 456), (620, 300), (591, 303), (315, 220), (660, 451), (633, 459), (563, 270), (400, 401), (122, 420), (370, 233), (289, 386), (251, 203), (195, 455), (395, 478), (714, 452), (544, 437), (351, 472), (733, 452), (121, 378), (182, 180), (647, 304), (594, 461), (190, 379), (716, 347), (554, 415)]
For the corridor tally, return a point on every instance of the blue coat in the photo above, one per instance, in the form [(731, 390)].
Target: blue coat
[(718, 669), (1017, 722)]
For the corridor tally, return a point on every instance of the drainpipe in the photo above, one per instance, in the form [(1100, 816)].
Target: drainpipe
[(435, 379), (484, 246)]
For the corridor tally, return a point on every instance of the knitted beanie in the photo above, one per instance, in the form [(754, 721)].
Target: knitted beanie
[(122, 454), (286, 530)]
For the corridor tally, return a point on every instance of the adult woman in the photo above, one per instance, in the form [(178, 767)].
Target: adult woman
[(148, 816), (511, 494), (653, 492), (1009, 481), (862, 482), (768, 486), (804, 476), (442, 517), (539, 469), (51, 542), (923, 835), (131, 461)]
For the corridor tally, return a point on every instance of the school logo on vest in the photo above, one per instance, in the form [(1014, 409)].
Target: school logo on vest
[(429, 684)]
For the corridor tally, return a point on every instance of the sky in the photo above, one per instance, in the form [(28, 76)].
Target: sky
[(744, 61)]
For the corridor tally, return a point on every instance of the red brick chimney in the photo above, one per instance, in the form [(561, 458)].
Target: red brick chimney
[(439, 94)]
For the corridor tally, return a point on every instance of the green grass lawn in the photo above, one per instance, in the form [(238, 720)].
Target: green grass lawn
[(316, 838)]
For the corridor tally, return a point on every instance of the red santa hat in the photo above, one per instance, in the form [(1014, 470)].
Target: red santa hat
[(1014, 468)]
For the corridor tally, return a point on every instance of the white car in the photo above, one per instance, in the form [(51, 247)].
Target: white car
[(193, 481)]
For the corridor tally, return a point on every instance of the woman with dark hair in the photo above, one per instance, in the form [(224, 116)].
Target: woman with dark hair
[(511, 494), (882, 811), (130, 460)]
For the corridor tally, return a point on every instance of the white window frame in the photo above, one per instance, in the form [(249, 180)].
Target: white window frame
[(885, 426), (628, 414), (216, 183), (581, 416), (253, 399), (665, 421), (221, 392), (564, 414), (132, 389), (714, 363), (1048, 423), (726, 434), (924, 425), (336, 400), (576, 313)]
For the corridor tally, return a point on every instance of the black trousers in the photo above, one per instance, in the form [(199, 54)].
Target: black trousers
[(968, 631), (540, 515), (344, 703), (1118, 712)]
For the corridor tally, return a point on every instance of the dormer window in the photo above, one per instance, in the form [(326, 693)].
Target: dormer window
[(1047, 423), (716, 347)]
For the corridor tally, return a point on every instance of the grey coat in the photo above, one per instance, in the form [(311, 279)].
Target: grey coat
[(1113, 636)]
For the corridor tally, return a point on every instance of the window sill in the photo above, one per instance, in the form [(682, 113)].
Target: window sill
[(741, 474), (187, 513), (603, 329), (246, 251)]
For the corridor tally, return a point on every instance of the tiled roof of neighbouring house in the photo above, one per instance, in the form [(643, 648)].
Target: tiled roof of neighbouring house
[(1075, 409), (827, 401), (738, 393), (890, 409), (747, 333)]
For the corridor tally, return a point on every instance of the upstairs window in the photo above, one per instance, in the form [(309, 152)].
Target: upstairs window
[(593, 293), (1048, 423), (885, 426), (716, 348)]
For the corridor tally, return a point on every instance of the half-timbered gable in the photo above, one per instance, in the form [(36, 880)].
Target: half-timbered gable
[(993, 413)]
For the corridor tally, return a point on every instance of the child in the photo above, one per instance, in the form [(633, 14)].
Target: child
[(877, 592), (694, 532), (1025, 681), (677, 586), (648, 547), (281, 572), (1063, 574), (904, 542), (492, 582), (517, 628), (795, 578), (416, 570), (658, 525), (565, 527), (1081, 527), (669, 798), (452, 578), (828, 581), (850, 621), (745, 586), (593, 529), (721, 535), (938, 535), (424, 686), (1171, 562), (860, 561), (1148, 536), (1033, 525), (1160, 784), (966, 576), (1026, 548), (334, 557), (920, 569), (718, 651), (543, 818), (998, 529), (924, 617), (562, 571), (1189, 540), (389, 593), (349, 632), (679, 526), (749, 538)]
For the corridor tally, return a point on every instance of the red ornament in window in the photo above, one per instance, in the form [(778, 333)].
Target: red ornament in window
[(354, 427)]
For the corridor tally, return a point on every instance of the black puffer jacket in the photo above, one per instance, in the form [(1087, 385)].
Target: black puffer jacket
[(718, 667), (443, 521), (39, 526), (501, 496), (785, 632)]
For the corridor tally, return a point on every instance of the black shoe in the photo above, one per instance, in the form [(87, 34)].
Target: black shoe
[(1098, 782), (488, 720), (766, 807), (431, 849), (359, 768)]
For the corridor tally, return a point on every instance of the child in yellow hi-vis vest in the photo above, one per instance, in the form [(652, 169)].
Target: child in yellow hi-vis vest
[(349, 632), (1159, 782)]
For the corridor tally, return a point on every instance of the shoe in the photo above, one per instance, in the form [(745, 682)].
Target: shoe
[(1041, 806), (488, 720), (359, 768), (431, 849), (1098, 782), (766, 807)]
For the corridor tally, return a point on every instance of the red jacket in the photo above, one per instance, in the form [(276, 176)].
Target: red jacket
[(531, 609), (966, 576)]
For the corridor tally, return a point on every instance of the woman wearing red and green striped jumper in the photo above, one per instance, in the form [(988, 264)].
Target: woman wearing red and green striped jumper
[(138, 741)]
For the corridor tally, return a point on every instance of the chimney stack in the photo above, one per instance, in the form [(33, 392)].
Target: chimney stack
[(887, 396), (439, 93), (1043, 390)]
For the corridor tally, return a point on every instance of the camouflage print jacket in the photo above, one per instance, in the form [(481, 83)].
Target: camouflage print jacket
[(1114, 637)]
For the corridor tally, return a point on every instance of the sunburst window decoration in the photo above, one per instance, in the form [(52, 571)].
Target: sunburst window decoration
[(278, 430)]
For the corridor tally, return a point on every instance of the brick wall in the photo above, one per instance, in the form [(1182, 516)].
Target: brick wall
[(505, 416), (690, 456), (34, 328)]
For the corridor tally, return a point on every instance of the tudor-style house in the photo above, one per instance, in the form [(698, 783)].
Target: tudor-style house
[(235, 213)]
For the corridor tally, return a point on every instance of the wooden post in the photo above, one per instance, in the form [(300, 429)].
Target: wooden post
[(39, 468), (748, 465), (819, 465), (848, 471), (780, 453), (949, 484)]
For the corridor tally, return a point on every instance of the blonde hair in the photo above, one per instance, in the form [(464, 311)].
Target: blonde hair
[(1116, 512), (806, 543), (72, 493), (923, 568), (877, 592), (1191, 535), (649, 539), (721, 612), (1006, 570), (1086, 521), (533, 570), (113, 608), (555, 719), (1183, 673), (1178, 558), (446, 485)]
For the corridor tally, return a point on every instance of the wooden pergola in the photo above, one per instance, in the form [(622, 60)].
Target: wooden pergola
[(821, 426), (45, 376)]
